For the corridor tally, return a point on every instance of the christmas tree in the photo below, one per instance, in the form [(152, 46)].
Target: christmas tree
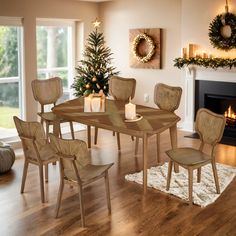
[(94, 71)]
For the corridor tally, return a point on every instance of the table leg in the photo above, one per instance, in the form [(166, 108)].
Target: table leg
[(173, 138), (56, 127), (89, 135), (145, 163)]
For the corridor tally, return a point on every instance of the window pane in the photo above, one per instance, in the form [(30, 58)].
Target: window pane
[(9, 104), (10, 80), (8, 51)]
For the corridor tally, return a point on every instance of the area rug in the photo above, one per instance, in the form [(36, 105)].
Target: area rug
[(204, 193)]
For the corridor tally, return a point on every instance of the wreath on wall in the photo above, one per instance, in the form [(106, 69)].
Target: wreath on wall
[(222, 31), (135, 46)]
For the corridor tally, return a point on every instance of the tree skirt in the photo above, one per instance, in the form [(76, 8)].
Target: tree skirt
[(204, 193)]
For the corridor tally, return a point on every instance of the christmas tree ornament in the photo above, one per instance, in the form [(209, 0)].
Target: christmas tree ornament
[(87, 86), (94, 79)]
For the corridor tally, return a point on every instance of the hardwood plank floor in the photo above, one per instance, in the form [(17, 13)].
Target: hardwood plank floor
[(133, 213)]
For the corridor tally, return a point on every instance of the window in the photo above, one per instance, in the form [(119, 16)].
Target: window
[(10, 73), (54, 52)]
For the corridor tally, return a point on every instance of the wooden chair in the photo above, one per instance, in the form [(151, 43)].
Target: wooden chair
[(48, 92), (121, 89), (166, 98), (37, 150), (210, 127), (75, 168)]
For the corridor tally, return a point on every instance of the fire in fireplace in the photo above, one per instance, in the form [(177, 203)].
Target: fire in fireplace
[(219, 97), (230, 117)]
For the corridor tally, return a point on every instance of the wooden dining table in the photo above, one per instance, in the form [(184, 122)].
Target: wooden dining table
[(154, 121)]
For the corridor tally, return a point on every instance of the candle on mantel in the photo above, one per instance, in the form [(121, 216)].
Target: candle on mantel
[(184, 53), (130, 111)]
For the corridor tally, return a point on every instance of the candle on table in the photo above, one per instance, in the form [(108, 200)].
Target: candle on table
[(130, 111), (87, 104), (96, 104)]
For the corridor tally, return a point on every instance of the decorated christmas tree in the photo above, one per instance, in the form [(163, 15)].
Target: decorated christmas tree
[(94, 71)]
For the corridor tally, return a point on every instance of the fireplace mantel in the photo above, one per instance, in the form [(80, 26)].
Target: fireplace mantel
[(193, 73)]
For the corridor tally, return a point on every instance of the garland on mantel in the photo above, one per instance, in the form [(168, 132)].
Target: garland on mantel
[(205, 62)]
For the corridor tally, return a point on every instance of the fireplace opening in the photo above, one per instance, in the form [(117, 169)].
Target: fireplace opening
[(219, 97), (223, 105)]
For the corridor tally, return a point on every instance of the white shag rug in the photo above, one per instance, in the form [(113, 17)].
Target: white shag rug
[(204, 193)]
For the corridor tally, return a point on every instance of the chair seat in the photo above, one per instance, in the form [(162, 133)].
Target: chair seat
[(46, 153), (188, 156), (48, 116), (88, 173)]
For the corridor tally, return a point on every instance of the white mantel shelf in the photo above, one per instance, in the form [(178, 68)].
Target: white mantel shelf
[(193, 73)]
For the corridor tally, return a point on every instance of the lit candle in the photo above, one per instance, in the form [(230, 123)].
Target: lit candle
[(184, 53), (130, 111), (96, 104), (87, 104)]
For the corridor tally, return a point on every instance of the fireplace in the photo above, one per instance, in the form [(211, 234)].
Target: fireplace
[(219, 97)]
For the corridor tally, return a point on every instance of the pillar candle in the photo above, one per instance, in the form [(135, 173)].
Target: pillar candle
[(130, 111), (96, 104), (184, 53), (87, 104), (191, 50)]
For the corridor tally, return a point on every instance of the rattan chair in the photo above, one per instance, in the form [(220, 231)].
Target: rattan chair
[(210, 127), (75, 168), (121, 89), (47, 92), (166, 98), (37, 150)]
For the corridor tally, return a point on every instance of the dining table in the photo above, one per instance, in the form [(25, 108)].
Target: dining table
[(153, 121)]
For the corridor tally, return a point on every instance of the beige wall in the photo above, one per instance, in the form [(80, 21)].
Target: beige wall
[(120, 16), (29, 10), (182, 21)]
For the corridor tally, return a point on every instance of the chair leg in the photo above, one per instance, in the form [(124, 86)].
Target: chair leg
[(190, 186), (215, 176), (72, 130), (158, 148), (136, 146), (169, 175), (61, 187), (113, 133), (108, 192), (199, 175), (132, 138), (118, 140), (89, 135), (46, 173), (41, 183), (81, 206), (26, 164), (47, 130), (96, 136)]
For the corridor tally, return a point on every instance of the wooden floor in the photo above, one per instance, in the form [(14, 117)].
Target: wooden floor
[(133, 213)]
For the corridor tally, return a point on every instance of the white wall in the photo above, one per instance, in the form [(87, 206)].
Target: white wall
[(29, 10)]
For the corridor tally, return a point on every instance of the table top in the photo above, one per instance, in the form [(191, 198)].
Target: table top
[(154, 120)]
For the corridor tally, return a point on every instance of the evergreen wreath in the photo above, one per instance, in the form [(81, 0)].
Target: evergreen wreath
[(151, 44), (215, 34)]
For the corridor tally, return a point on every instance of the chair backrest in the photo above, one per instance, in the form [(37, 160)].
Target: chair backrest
[(32, 130), (65, 149), (210, 126), (47, 91), (122, 88), (167, 97)]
